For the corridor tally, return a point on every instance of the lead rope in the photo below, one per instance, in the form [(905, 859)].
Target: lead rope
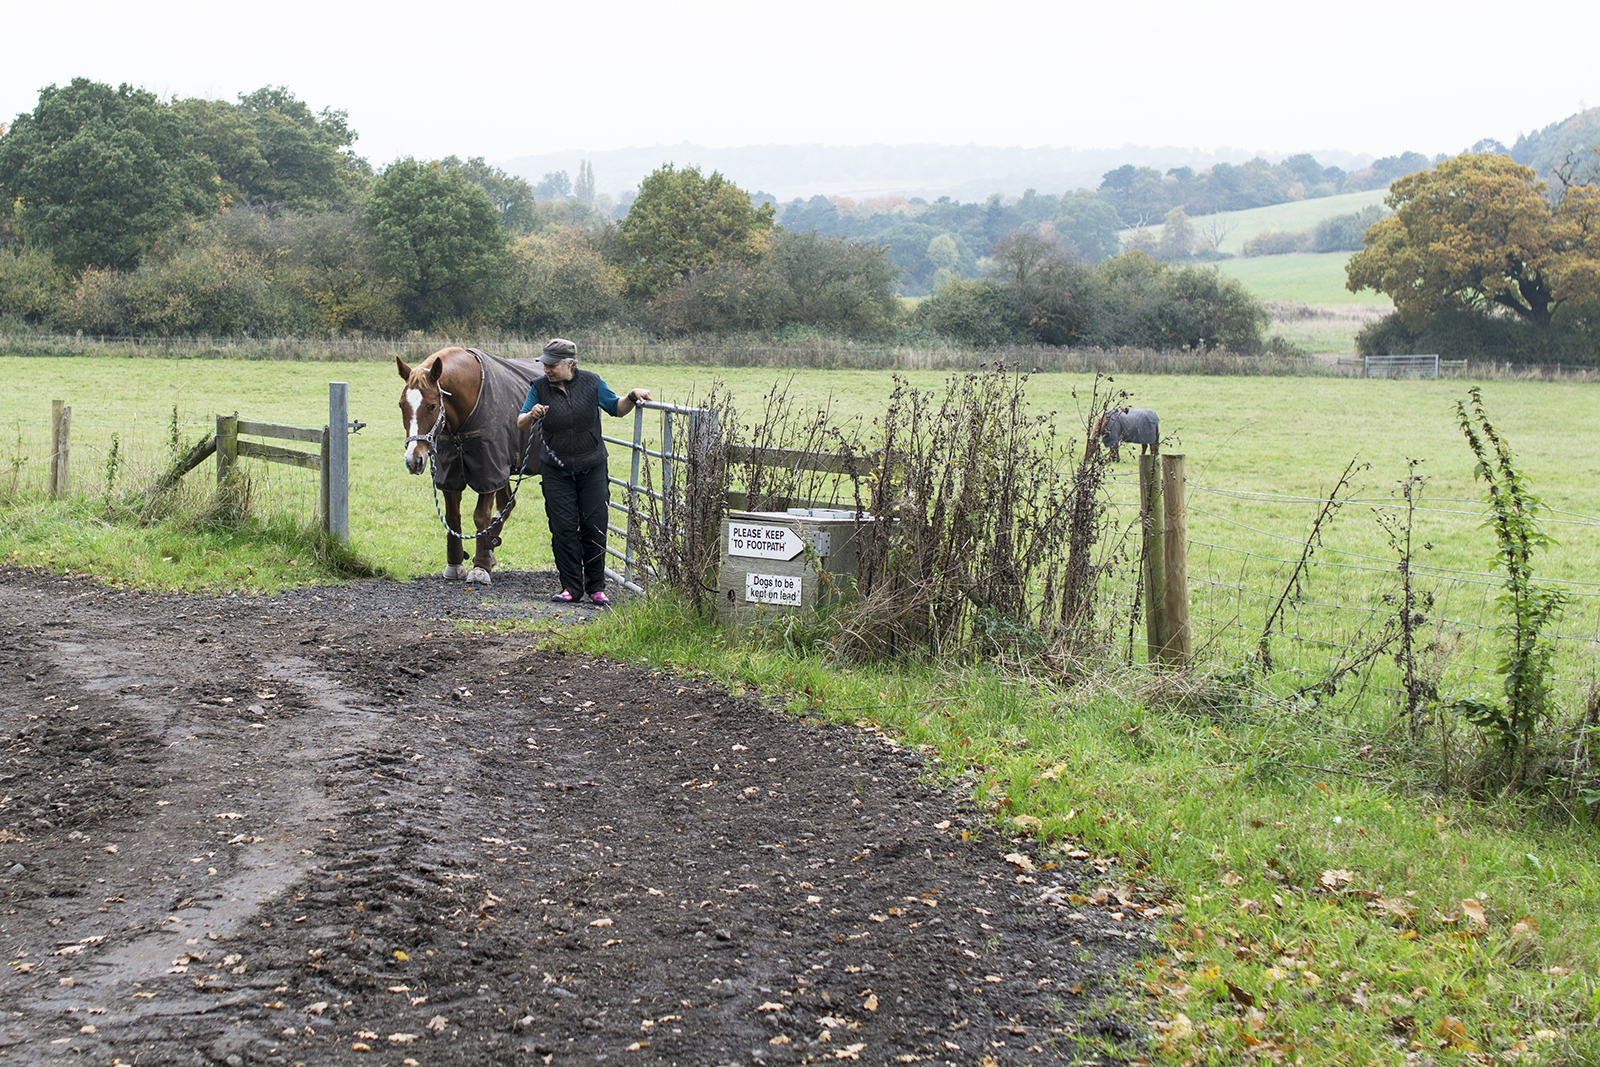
[(499, 516)]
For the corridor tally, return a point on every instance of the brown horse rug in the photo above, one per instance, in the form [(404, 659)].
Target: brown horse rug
[(485, 451)]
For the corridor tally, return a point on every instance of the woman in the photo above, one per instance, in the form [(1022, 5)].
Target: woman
[(566, 404)]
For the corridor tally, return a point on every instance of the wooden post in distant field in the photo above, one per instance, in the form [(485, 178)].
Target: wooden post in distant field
[(1176, 639), (1152, 515), (60, 449), (227, 445)]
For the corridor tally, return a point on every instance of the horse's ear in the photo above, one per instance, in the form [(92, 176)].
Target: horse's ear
[(405, 371), (436, 370)]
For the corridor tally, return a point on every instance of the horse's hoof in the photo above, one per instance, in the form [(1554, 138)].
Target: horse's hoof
[(455, 572), (478, 576)]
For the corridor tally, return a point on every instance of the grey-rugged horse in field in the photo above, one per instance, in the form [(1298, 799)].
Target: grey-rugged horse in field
[(1136, 426), (459, 409)]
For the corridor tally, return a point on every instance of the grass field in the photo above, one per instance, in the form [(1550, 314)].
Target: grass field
[(1293, 216), (1318, 898), (1315, 278), (1262, 452)]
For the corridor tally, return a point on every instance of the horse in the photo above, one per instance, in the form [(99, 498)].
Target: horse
[(1136, 426), (459, 408)]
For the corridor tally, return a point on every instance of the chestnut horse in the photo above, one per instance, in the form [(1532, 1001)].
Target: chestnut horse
[(459, 409)]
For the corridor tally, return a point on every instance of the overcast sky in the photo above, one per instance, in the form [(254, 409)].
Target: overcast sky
[(504, 79)]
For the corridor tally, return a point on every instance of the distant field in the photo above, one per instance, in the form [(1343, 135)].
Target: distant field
[(1305, 277), (1296, 215)]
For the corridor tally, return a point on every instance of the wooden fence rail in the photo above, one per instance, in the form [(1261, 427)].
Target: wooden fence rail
[(331, 460)]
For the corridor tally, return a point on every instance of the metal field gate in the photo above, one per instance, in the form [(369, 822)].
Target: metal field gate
[(683, 430)]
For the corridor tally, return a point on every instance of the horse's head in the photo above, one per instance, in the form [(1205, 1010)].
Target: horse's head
[(421, 409)]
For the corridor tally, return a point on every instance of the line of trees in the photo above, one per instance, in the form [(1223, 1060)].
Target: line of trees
[(129, 215)]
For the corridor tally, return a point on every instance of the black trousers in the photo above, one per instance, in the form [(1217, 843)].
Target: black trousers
[(578, 506)]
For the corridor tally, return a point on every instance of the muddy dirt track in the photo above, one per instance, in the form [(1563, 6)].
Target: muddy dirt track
[(345, 826)]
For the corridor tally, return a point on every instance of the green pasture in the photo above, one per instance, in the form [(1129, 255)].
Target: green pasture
[(1303, 278), (1317, 896), (1262, 453), (1293, 216), (1315, 278)]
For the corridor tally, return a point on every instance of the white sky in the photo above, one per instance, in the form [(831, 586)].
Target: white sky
[(504, 79)]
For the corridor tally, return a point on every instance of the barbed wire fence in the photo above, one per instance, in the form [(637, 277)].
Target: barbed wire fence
[(1239, 567)]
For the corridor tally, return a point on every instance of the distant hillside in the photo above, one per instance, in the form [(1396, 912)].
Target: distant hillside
[(1296, 215), (1552, 146), (961, 172)]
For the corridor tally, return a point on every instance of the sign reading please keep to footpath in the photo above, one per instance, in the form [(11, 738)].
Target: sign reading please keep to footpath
[(763, 542)]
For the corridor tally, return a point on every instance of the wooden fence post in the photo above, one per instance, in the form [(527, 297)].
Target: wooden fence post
[(1176, 639), (1152, 515), (60, 449), (227, 445), (336, 463)]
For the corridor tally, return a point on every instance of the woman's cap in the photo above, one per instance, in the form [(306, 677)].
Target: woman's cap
[(558, 349)]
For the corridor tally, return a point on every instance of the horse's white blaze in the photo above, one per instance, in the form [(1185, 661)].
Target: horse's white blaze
[(414, 403)]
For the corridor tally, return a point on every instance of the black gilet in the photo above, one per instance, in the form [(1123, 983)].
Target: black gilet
[(571, 427)]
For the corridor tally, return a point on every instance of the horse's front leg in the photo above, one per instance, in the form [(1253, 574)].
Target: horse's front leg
[(489, 526), (453, 552)]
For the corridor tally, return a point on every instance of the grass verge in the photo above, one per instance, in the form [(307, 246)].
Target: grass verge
[(1315, 903), (199, 540)]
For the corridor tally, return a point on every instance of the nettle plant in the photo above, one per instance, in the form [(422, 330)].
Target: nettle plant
[(1527, 610)]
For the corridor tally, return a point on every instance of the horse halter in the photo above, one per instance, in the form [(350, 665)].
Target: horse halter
[(428, 438)]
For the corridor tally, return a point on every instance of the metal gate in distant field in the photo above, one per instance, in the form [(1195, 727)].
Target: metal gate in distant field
[(1400, 366)]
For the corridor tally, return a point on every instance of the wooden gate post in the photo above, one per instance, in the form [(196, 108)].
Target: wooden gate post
[(227, 445), (1176, 640), (336, 463), (1152, 515)]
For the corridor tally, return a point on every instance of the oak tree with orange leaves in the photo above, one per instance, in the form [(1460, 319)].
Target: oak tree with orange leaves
[(1479, 232)]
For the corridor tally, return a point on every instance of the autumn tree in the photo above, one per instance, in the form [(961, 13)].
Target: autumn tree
[(1478, 233), (683, 222)]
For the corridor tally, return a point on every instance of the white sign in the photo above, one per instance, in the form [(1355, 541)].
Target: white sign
[(763, 542), (780, 589)]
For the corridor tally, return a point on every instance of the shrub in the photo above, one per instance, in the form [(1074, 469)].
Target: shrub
[(31, 286), (1276, 243), (972, 312), (557, 284), (1461, 333)]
